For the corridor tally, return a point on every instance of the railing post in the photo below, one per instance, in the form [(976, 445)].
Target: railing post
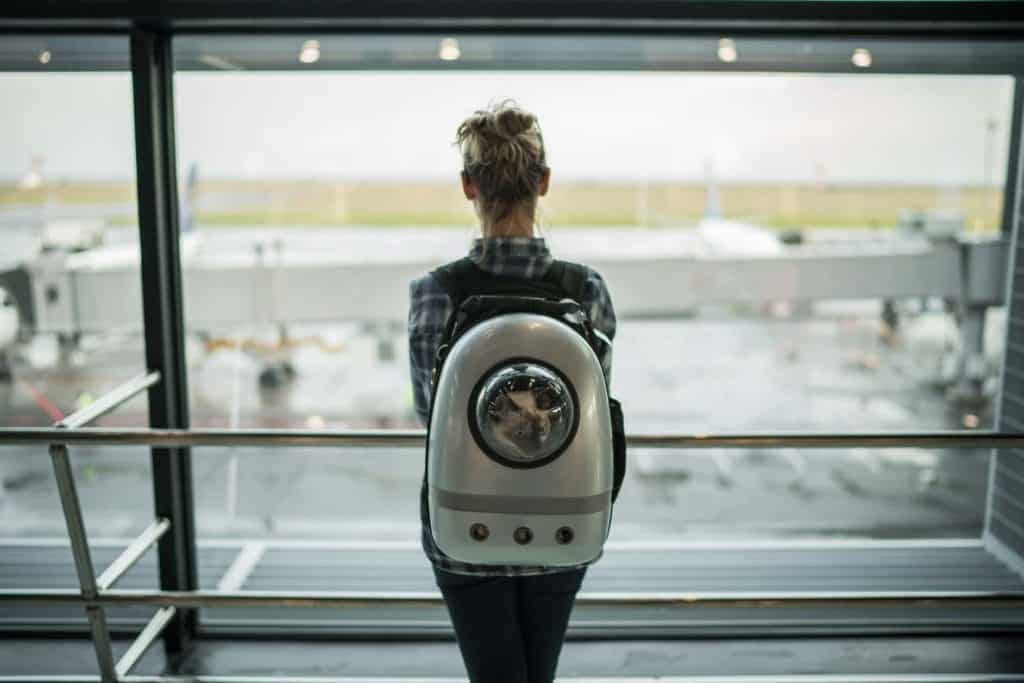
[(83, 560), (162, 298)]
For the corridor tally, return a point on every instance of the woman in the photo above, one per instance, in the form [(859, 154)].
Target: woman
[(510, 621)]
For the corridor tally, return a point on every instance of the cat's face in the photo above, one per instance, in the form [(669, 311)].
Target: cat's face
[(524, 421)]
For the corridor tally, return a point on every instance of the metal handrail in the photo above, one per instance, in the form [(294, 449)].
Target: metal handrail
[(109, 401), (127, 559), (90, 588), (144, 640), (356, 599), (395, 438)]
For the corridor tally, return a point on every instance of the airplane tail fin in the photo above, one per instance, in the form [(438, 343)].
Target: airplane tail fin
[(186, 213)]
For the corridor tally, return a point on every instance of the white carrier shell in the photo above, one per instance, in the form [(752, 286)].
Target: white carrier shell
[(467, 487)]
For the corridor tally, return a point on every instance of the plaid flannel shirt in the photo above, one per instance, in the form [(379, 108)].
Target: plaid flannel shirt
[(429, 309)]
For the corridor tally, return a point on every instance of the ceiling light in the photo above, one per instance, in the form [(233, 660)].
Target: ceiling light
[(45, 56), (727, 50), (861, 58), (310, 53), (449, 50)]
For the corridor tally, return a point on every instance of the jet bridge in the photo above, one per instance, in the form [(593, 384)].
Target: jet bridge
[(85, 293), (282, 283)]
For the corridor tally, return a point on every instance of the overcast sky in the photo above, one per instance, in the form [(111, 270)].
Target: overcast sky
[(599, 126)]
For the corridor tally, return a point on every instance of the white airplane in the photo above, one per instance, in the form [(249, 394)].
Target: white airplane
[(718, 236)]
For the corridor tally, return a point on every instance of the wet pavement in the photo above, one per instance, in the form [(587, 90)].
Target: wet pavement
[(722, 371)]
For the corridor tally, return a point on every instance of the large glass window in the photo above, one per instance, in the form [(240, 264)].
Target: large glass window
[(70, 305), (320, 178)]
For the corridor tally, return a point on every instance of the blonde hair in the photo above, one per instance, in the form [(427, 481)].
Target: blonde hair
[(503, 155)]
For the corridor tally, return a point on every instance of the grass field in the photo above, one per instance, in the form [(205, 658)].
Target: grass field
[(655, 205)]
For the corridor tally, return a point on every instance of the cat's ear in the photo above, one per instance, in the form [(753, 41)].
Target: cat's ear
[(500, 405)]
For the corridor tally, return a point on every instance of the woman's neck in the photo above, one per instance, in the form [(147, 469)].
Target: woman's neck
[(519, 223)]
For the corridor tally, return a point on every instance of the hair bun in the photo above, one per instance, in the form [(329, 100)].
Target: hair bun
[(511, 121), (503, 154)]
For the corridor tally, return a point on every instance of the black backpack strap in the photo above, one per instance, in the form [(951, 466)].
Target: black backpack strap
[(570, 276), (462, 279), (456, 278)]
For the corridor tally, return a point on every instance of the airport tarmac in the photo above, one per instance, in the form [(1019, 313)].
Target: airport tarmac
[(722, 371)]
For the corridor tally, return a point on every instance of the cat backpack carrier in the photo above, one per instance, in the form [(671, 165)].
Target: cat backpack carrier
[(525, 451)]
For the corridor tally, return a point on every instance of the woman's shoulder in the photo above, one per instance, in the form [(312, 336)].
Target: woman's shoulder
[(429, 282), (429, 304), (593, 282), (597, 300), (426, 284), (588, 269), (593, 274)]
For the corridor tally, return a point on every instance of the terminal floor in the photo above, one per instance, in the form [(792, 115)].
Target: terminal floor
[(954, 567), (939, 651), (947, 658)]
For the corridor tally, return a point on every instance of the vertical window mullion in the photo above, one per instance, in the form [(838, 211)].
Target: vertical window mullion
[(152, 84)]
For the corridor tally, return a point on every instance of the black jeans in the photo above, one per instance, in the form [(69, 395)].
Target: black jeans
[(510, 628)]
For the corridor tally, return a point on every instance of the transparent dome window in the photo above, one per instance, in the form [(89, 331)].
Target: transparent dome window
[(525, 413)]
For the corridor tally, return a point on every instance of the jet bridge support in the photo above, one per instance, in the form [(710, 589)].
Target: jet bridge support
[(17, 284), (971, 370), (982, 278)]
